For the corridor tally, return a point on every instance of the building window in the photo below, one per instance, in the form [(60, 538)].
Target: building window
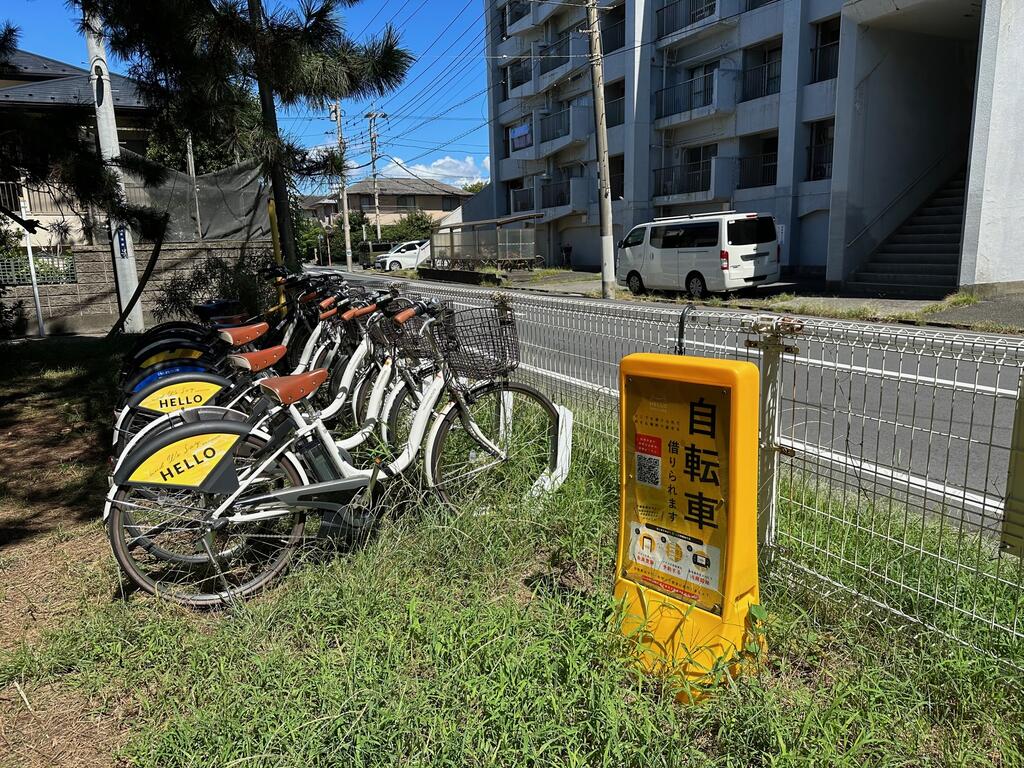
[(825, 56), (762, 72), (692, 174), (617, 176), (449, 203), (405, 202), (823, 134), (615, 103), (520, 136), (613, 29), (365, 202), (517, 73), (760, 169), (695, 91)]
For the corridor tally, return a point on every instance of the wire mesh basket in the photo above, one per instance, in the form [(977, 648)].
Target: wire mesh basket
[(407, 339), (479, 343)]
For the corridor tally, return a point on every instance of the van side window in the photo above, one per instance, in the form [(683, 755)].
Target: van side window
[(636, 237), (703, 235)]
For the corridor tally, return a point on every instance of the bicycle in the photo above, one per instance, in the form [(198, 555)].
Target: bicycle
[(211, 511)]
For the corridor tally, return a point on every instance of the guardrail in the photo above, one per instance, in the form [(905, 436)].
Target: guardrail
[(886, 468)]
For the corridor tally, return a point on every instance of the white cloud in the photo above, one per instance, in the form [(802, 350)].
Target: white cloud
[(448, 169)]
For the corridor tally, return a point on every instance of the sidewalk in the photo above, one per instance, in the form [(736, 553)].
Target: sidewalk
[(1004, 314)]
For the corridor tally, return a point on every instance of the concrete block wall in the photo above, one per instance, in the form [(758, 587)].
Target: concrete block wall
[(90, 304)]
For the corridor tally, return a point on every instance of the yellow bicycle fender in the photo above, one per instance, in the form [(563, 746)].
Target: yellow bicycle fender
[(171, 354), (181, 395), (185, 463)]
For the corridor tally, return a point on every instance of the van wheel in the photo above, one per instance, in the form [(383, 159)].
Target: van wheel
[(636, 285), (394, 266), (695, 286)]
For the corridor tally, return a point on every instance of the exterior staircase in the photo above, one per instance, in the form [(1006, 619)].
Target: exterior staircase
[(921, 258)]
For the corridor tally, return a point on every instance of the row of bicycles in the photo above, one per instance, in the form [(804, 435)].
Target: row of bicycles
[(238, 439)]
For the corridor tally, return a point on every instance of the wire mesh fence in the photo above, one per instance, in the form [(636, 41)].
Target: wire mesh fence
[(900, 451)]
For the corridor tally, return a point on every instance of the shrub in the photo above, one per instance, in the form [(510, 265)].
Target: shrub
[(214, 278)]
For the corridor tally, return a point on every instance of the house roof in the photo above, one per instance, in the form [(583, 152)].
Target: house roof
[(74, 90), (25, 64), (51, 82), (308, 201), (406, 187)]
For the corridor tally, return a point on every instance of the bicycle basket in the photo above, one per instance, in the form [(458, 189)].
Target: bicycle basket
[(407, 339), (479, 343)]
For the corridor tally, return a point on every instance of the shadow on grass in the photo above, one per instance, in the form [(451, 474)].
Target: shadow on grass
[(56, 400)]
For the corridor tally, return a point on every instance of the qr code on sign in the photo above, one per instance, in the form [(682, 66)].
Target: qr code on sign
[(648, 470)]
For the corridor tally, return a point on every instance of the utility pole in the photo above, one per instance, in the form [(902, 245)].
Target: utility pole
[(126, 275), (372, 117), (278, 179), (342, 189), (195, 185), (603, 171)]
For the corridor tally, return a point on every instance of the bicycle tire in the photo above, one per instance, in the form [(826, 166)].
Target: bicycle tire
[(510, 485), (120, 523)]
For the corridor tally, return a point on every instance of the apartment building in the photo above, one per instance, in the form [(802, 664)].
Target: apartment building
[(862, 127)]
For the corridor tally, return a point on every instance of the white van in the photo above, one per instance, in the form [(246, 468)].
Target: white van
[(701, 254)]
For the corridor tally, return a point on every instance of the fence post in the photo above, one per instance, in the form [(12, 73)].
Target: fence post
[(32, 273), (770, 331)]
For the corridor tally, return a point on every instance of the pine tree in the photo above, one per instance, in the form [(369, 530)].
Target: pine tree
[(199, 63)]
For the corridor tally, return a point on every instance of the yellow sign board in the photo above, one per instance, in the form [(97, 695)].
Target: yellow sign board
[(687, 555)]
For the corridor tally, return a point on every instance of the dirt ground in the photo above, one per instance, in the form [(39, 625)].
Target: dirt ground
[(53, 450)]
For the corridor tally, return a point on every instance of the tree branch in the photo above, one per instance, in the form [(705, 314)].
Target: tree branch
[(29, 225)]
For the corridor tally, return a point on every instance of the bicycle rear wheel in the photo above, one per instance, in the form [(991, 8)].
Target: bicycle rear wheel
[(514, 418), (164, 542)]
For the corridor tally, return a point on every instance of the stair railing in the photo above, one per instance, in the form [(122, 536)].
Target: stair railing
[(906, 191)]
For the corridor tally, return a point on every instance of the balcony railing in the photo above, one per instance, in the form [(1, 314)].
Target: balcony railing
[(683, 13), (517, 10), (762, 80), (522, 200), (519, 72), (683, 97), (819, 161), (613, 36), (825, 62), (554, 126), (554, 194), (615, 111), (555, 55), (683, 179), (50, 200), (759, 170)]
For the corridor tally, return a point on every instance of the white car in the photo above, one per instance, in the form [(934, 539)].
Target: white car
[(701, 254), (406, 255)]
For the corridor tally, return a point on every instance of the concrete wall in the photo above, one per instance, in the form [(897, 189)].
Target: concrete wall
[(994, 220), (90, 304), (902, 124)]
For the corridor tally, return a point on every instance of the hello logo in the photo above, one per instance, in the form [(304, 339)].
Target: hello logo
[(179, 401), (196, 459)]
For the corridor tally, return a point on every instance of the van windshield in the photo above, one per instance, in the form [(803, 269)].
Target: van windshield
[(752, 231)]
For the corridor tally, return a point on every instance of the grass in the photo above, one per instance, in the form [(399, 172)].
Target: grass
[(484, 640), (868, 311)]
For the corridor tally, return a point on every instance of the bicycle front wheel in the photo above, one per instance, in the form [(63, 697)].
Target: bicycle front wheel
[(496, 454)]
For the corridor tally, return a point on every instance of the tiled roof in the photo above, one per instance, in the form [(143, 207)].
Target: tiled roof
[(75, 89), (25, 64), (406, 187)]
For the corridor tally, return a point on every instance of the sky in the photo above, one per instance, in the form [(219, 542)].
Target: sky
[(436, 125)]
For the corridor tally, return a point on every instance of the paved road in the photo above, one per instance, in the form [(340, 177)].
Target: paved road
[(895, 414)]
